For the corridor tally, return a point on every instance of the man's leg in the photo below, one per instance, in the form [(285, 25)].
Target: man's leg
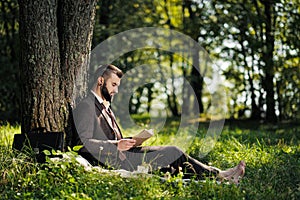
[(156, 156), (166, 157)]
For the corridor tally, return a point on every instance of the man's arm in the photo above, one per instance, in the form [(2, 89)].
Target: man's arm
[(84, 118)]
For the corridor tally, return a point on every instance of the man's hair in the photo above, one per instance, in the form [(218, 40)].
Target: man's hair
[(106, 71)]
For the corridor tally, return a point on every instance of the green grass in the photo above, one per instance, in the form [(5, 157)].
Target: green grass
[(272, 155)]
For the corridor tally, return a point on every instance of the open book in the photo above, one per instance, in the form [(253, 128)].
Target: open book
[(142, 136)]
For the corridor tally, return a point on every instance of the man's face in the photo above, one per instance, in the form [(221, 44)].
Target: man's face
[(111, 86)]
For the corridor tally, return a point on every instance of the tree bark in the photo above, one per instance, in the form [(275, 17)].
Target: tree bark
[(40, 66), (75, 28), (55, 40)]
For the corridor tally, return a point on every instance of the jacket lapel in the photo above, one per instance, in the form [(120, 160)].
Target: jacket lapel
[(106, 116)]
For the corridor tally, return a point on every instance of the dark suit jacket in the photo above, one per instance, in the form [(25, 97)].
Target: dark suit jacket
[(98, 137), (95, 130)]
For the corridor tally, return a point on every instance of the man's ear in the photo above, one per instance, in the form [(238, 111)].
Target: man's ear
[(100, 80)]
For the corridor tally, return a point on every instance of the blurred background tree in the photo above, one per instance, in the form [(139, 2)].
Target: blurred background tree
[(9, 62), (255, 44)]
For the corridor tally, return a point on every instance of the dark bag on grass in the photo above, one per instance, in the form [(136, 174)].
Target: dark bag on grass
[(37, 141)]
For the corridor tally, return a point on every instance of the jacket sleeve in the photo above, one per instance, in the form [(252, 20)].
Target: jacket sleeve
[(85, 120)]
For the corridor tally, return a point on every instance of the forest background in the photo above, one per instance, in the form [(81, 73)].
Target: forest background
[(255, 45)]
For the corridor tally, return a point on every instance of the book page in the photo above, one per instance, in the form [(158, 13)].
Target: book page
[(142, 136)]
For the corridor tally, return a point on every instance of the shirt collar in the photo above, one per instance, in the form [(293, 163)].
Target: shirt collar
[(105, 103)]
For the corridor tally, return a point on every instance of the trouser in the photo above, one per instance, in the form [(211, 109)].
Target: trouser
[(159, 158), (166, 158)]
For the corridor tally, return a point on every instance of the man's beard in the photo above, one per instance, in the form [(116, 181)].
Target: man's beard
[(105, 93)]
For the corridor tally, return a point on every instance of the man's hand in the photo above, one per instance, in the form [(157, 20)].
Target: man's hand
[(126, 144)]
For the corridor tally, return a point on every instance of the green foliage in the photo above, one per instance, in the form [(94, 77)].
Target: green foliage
[(233, 33), (271, 153)]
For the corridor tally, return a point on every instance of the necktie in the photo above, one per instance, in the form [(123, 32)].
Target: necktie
[(117, 132), (113, 122)]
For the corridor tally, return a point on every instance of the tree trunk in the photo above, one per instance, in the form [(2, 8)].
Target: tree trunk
[(269, 63), (196, 79), (255, 112), (197, 83), (149, 87), (9, 48), (75, 28), (55, 40), (40, 66), (75, 31), (172, 101)]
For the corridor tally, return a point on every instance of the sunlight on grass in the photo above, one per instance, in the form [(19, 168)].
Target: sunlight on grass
[(272, 157), (7, 134)]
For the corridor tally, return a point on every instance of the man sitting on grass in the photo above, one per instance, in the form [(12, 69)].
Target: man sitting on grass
[(103, 142)]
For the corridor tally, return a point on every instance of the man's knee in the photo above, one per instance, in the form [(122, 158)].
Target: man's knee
[(173, 151)]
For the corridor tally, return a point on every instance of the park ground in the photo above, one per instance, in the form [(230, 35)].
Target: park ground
[(271, 152)]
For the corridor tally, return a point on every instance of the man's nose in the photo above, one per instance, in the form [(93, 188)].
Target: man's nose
[(116, 90)]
